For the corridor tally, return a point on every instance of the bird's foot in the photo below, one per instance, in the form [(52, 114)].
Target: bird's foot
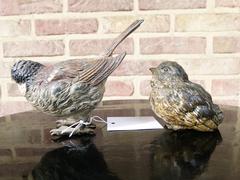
[(71, 127), (175, 127), (168, 126), (65, 122), (58, 131), (71, 122), (81, 126), (89, 125), (70, 131)]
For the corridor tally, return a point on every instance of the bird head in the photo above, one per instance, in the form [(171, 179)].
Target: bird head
[(23, 70), (169, 71)]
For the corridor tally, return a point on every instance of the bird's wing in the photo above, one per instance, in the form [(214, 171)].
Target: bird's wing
[(91, 72), (68, 70), (100, 70), (192, 98)]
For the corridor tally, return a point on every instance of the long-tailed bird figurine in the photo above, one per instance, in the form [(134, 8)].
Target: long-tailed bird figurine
[(181, 103), (70, 89)]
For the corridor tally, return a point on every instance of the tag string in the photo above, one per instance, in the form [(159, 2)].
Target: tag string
[(97, 119), (81, 122)]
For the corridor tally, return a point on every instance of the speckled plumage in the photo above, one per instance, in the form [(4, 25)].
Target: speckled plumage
[(70, 89), (181, 103)]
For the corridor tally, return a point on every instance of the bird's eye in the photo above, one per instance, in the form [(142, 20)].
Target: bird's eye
[(165, 69)]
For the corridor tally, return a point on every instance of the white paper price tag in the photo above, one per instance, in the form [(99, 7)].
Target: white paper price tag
[(132, 123)]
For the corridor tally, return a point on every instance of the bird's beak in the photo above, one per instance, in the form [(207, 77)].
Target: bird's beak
[(152, 69)]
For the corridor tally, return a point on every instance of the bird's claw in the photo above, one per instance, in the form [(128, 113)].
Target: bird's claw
[(72, 127), (91, 126), (64, 122), (59, 131), (69, 131)]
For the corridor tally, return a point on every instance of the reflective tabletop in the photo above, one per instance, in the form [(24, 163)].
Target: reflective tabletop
[(28, 152)]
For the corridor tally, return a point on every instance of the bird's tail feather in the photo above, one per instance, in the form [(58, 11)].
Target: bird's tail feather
[(108, 68), (219, 114), (108, 52)]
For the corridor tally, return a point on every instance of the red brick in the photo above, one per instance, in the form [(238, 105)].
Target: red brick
[(95, 47), (225, 87), (145, 88), (211, 66), (119, 88), (15, 7), (99, 5), (171, 4), (228, 101), (200, 82), (173, 45), (226, 44), (205, 66), (13, 107), (5, 69), (227, 3), (33, 48), (134, 67), (15, 28), (13, 90), (152, 23), (68, 26), (207, 22)]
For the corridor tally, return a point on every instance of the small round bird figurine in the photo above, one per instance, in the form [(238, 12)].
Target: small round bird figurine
[(70, 89), (181, 103)]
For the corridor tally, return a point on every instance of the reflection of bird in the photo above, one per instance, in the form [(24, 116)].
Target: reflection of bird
[(73, 162), (182, 155), (181, 103), (70, 88)]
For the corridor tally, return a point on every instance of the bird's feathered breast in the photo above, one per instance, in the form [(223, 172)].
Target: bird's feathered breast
[(183, 98), (54, 91)]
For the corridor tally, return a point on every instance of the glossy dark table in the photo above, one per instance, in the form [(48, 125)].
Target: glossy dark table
[(27, 151)]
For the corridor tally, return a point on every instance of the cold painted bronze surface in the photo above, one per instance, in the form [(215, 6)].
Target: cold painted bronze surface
[(26, 148), (70, 89), (181, 103)]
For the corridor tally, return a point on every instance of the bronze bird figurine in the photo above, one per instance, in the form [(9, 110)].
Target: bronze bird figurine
[(70, 89), (181, 103)]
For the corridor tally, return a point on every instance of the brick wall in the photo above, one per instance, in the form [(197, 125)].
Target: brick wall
[(202, 35)]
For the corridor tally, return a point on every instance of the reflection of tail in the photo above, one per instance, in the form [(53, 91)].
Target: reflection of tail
[(122, 36), (219, 114)]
